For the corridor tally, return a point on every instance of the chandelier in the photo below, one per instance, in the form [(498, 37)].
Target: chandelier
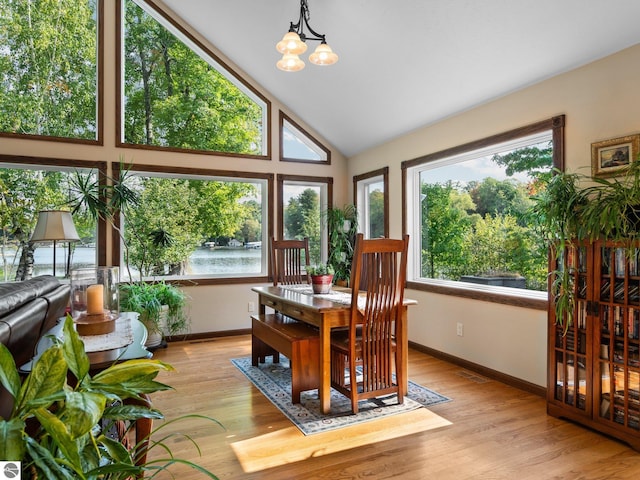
[(293, 44)]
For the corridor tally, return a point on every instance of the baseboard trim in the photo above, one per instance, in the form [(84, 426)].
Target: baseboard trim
[(195, 337), (482, 370)]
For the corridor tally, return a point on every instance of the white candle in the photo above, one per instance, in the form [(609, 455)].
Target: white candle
[(95, 299)]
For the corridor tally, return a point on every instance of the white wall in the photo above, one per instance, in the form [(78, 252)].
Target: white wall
[(600, 101)]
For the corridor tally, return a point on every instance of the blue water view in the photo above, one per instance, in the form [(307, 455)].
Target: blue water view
[(204, 260)]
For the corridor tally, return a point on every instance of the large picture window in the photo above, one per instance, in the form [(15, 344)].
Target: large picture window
[(469, 210), (178, 95), (49, 68), (26, 188), (194, 224)]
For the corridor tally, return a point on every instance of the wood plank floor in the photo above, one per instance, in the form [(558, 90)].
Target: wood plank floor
[(496, 431)]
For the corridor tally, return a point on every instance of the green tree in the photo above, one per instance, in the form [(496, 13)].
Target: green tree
[(376, 214), (503, 247), (23, 193), (500, 197), (444, 229), (48, 84), (302, 219), (163, 232), (175, 98), (251, 230), (534, 160), (223, 207)]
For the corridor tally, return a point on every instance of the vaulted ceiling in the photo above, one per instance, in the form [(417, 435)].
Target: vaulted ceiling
[(409, 63)]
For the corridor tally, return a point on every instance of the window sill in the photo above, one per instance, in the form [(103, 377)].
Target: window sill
[(504, 295)]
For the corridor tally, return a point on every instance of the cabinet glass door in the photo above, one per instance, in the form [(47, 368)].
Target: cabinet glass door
[(570, 344), (618, 389)]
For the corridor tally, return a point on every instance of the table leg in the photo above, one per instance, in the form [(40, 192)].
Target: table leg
[(324, 391), (403, 349), (261, 308)]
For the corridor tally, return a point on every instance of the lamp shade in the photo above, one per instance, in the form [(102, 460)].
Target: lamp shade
[(55, 225), (323, 55), (291, 43), (290, 63)]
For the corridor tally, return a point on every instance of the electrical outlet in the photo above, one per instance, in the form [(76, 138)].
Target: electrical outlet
[(251, 307), (459, 329)]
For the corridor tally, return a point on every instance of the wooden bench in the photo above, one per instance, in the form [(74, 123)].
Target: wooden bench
[(274, 333)]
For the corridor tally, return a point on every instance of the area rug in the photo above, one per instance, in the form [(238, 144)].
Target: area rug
[(274, 381)]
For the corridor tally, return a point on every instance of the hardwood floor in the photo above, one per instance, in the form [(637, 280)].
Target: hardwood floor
[(497, 431)]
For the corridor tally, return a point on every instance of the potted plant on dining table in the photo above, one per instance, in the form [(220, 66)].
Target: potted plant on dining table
[(321, 277)]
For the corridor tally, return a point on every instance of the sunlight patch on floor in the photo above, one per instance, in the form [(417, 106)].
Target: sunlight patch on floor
[(291, 445)]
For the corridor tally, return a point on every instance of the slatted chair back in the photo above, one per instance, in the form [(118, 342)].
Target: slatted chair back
[(379, 268), (289, 260)]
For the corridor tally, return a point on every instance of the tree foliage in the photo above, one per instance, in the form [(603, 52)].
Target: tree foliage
[(533, 160), (48, 62), (175, 98), (488, 227), (302, 219), (23, 193), (376, 213)]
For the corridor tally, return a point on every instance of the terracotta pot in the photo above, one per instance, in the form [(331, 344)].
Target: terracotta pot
[(321, 283)]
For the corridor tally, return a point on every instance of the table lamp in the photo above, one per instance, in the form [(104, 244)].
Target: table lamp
[(55, 226)]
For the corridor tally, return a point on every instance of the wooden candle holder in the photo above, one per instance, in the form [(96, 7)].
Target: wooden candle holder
[(95, 324)]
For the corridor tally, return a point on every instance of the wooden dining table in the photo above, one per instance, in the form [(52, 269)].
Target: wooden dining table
[(326, 312)]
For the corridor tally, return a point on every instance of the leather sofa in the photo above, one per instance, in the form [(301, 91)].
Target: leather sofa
[(27, 311)]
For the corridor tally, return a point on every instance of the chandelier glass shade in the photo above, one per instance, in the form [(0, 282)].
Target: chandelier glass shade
[(294, 43), (323, 55)]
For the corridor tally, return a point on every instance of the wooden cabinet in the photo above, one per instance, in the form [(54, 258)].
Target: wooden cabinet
[(594, 364)]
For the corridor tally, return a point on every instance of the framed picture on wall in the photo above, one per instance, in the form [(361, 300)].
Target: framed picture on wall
[(611, 157)]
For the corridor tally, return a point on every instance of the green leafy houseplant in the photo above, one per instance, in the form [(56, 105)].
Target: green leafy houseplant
[(148, 299), (59, 428), (320, 269), (573, 208), (342, 224), (321, 277)]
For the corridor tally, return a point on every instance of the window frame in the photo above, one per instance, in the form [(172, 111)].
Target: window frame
[(208, 173), (224, 68), (99, 140), (328, 182), (503, 295), (284, 117), (359, 183)]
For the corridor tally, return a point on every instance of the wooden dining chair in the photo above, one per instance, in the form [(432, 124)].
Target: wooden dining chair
[(364, 357), (289, 260), (276, 333)]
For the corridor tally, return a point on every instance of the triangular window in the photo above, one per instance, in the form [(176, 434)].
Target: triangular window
[(296, 145)]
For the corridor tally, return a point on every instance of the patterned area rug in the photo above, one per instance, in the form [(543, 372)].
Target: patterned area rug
[(274, 381)]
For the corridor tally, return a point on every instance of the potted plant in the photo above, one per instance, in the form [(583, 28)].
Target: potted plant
[(162, 308), (342, 224), (321, 277), (568, 212), (61, 422)]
